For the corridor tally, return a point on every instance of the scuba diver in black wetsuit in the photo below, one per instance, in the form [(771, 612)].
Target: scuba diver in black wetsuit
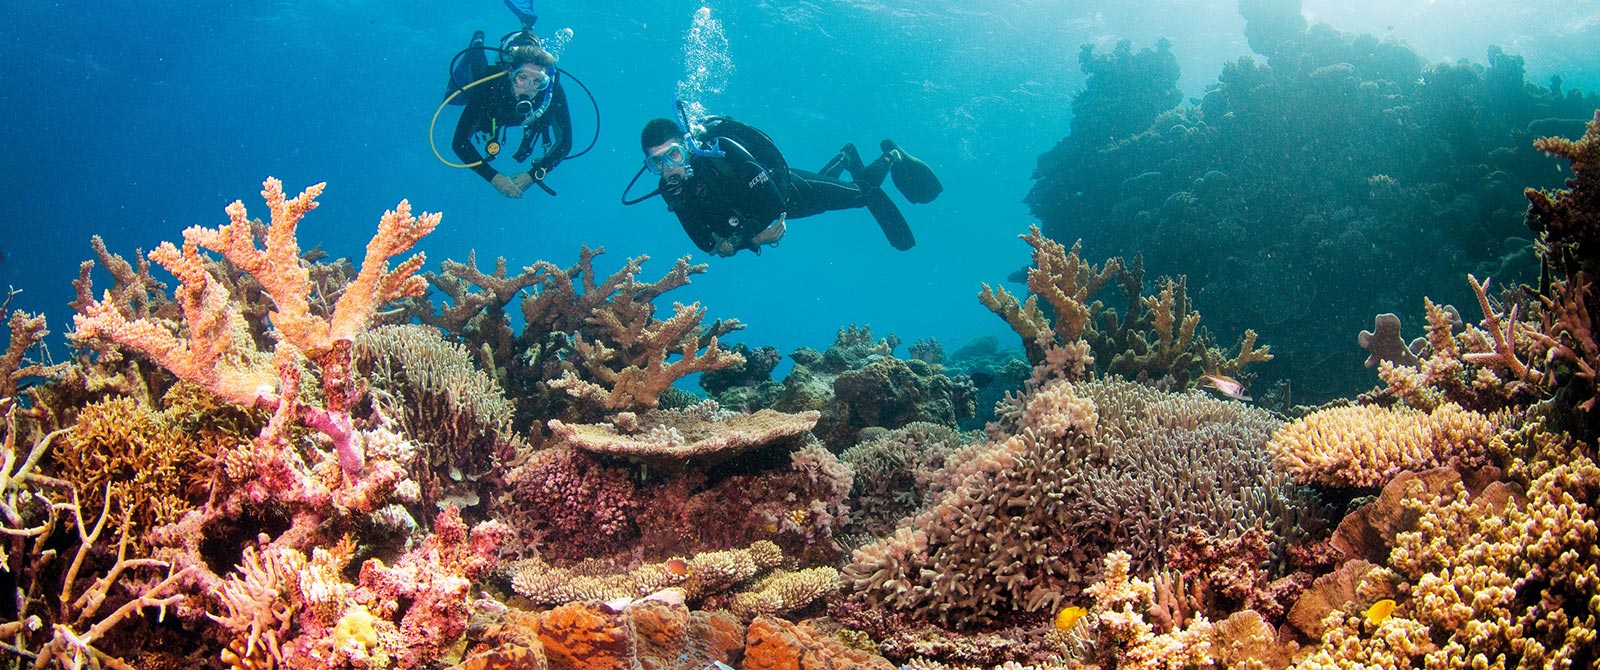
[(731, 188), (529, 96), (523, 89)]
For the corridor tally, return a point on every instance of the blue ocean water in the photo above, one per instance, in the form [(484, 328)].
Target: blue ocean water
[(134, 121)]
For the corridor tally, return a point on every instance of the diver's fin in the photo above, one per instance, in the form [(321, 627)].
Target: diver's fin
[(524, 11), (915, 180), (890, 220)]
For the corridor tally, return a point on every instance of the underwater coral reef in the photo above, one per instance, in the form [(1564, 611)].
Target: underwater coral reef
[(286, 461), (1340, 169)]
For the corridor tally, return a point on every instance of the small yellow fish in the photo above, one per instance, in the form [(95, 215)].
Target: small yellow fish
[(1380, 611), (1225, 385), (1068, 617)]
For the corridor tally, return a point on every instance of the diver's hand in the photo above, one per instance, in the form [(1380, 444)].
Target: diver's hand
[(724, 248), (773, 233), (522, 180), (506, 187)]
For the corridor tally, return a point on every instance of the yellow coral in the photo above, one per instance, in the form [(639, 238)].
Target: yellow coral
[(356, 627), (142, 457), (1367, 445), (1493, 580)]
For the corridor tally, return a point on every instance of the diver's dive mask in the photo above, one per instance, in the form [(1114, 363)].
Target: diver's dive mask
[(673, 156)]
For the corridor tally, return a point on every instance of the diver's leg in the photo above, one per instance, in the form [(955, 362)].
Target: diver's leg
[(816, 193), (848, 159)]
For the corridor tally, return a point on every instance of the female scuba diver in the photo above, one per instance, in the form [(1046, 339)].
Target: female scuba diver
[(524, 88)]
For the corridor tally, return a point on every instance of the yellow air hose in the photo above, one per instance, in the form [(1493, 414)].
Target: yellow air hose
[(440, 110)]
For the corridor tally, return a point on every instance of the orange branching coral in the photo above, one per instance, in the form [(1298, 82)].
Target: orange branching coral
[(281, 274), (1367, 445), (217, 352), (215, 349), (1065, 283), (640, 382)]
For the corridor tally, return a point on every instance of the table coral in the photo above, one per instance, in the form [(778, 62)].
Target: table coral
[(676, 439)]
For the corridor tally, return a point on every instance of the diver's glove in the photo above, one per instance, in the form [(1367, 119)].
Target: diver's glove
[(506, 186)]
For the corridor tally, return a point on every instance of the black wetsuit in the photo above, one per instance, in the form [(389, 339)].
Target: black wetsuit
[(491, 111), (735, 197)]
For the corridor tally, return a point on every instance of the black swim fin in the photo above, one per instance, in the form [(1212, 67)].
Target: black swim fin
[(915, 180), (890, 220)]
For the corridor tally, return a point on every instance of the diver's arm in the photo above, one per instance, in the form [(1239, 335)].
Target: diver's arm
[(759, 203), (698, 233), (560, 127), (473, 119)]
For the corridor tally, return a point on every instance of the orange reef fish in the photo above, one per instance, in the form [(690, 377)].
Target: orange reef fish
[(677, 566), (1068, 617), (1225, 385), (1380, 611)]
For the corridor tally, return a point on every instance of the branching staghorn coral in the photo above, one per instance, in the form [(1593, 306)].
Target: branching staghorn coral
[(1158, 337), (27, 332), (636, 382), (66, 628), (1523, 352), (211, 346)]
